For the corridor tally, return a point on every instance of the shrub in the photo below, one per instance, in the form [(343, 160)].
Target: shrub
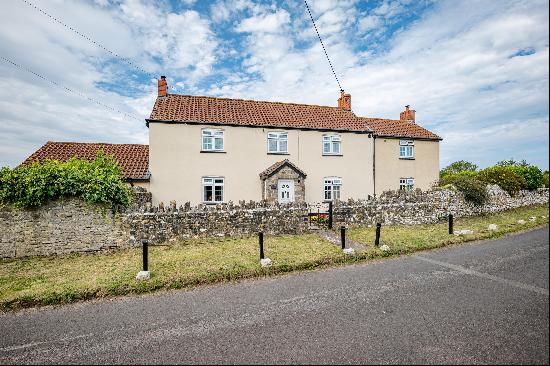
[(545, 179), (99, 181), (532, 175), (458, 167), (474, 191), (503, 176), (450, 178)]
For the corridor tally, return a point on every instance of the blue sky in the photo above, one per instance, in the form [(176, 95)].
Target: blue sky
[(476, 72)]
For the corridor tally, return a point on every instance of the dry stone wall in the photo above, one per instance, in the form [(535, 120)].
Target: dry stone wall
[(60, 227), (71, 225)]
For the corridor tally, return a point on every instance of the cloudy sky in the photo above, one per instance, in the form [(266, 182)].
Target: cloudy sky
[(475, 71)]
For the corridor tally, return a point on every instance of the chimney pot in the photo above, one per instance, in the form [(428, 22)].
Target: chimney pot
[(344, 102), (162, 87), (408, 114)]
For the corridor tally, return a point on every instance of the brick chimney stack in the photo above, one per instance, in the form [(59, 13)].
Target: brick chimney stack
[(408, 115), (163, 86), (344, 102)]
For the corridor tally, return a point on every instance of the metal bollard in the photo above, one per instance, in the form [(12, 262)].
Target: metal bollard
[(261, 238), (330, 215), (343, 236), (451, 229), (378, 228), (145, 255)]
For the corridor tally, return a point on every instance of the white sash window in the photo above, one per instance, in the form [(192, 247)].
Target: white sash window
[(212, 189), (277, 142), (212, 139), (332, 188), (406, 149), (332, 145)]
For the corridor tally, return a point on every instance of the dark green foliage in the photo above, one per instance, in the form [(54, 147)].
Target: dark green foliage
[(545, 179), (98, 181), (450, 178), (503, 176), (512, 162), (474, 191), (532, 175), (458, 167)]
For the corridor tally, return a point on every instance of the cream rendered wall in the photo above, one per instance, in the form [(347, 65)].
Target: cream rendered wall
[(389, 168), (177, 165)]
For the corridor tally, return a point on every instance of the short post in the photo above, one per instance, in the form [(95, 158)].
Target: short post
[(378, 228), (264, 262), (144, 274), (330, 215), (145, 255), (343, 236), (451, 230), (261, 239)]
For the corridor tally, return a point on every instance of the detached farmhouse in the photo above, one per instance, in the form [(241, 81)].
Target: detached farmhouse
[(213, 150)]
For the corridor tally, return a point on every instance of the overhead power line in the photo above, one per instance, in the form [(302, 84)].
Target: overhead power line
[(323, 45), (69, 90), (77, 32)]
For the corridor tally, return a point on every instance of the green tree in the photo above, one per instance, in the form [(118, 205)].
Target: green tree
[(458, 167)]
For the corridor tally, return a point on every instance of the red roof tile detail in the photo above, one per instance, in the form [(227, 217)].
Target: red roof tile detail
[(132, 158), (199, 109), (395, 128), (186, 108)]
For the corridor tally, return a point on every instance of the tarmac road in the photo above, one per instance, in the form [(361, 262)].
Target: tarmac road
[(484, 302)]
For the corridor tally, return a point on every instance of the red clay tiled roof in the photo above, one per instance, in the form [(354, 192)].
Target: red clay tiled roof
[(186, 108), (278, 165), (396, 128), (132, 158), (197, 109)]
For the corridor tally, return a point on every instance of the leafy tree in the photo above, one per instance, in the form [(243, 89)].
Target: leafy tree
[(458, 167), (474, 191), (512, 162), (503, 176), (545, 178)]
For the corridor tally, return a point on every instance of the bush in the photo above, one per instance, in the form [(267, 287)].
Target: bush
[(532, 175), (458, 167), (545, 179), (99, 181), (503, 176), (474, 191), (450, 178)]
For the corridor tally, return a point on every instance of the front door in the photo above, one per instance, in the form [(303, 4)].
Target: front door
[(286, 190)]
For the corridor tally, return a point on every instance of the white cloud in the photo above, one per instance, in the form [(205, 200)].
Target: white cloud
[(368, 23), (267, 23)]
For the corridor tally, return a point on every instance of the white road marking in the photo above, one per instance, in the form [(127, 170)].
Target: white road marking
[(471, 272)]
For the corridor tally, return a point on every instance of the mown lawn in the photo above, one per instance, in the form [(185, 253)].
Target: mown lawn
[(51, 280), (39, 281), (406, 239)]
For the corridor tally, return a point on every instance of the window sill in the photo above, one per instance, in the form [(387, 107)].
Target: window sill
[(406, 158), (278, 153), (333, 154), (212, 152), (213, 203)]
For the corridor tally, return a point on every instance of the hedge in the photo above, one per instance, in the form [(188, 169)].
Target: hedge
[(98, 181)]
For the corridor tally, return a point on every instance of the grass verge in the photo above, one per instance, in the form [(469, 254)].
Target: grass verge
[(38, 281)]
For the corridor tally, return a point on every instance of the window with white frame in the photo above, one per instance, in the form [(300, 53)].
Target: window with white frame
[(332, 144), (277, 142), (212, 189), (406, 149), (406, 184), (332, 188), (212, 139)]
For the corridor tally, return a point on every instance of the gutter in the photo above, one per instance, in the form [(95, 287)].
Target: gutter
[(374, 165), (365, 131)]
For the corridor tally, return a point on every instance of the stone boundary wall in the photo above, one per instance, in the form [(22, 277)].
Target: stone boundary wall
[(424, 207), (60, 227), (70, 225)]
